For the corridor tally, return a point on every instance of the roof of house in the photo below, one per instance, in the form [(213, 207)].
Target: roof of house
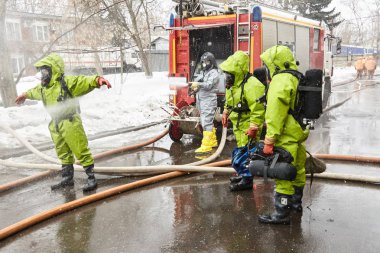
[(156, 38)]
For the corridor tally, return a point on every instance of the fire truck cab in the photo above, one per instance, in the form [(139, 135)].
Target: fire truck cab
[(206, 26)]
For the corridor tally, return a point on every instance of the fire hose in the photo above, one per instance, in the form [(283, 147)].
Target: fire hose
[(44, 174), (191, 167), (349, 97), (27, 144), (53, 168), (21, 225), (35, 219)]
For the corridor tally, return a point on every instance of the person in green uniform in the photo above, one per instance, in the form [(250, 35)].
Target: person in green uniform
[(243, 108), (284, 131), (58, 92)]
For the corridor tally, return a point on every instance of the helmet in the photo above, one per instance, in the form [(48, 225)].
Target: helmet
[(208, 61)]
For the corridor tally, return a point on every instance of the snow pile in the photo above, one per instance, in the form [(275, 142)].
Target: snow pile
[(134, 101), (342, 74)]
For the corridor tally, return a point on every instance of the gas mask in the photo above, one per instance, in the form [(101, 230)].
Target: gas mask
[(230, 79), (206, 65), (46, 75)]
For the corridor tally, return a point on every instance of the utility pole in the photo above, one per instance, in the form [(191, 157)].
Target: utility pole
[(378, 33), (7, 86)]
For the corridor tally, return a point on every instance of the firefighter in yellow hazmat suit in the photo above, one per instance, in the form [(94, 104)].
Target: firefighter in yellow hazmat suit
[(57, 92), (243, 108), (284, 131)]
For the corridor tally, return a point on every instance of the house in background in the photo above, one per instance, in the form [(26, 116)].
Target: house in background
[(159, 53), (30, 34), (27, 34), (160, 43)]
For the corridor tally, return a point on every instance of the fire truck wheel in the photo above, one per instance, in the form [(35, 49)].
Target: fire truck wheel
[(175, 133)]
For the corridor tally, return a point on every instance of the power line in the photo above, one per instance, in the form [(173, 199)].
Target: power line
[(90, 51), (360, 18)]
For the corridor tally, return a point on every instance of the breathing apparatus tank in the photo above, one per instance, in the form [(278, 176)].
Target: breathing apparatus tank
[(312, 94), (308, 107)]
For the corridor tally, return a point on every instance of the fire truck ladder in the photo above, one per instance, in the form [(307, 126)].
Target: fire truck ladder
[(243, 29)]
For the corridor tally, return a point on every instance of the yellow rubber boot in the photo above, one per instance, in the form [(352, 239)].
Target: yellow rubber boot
[(214, 141), (206, 143)]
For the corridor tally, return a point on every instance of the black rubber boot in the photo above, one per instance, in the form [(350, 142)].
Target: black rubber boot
[(67, 177), (297, 199), (246, 183), (235, 179), (91, 180), (281, 213)]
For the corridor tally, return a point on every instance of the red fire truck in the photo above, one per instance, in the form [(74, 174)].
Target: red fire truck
[(206, 26)]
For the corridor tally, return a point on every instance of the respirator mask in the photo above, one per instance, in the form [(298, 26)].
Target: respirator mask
[(46, 74), (230, 79), (206, 64)]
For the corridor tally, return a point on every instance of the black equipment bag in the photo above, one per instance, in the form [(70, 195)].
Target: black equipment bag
[(278, 166)]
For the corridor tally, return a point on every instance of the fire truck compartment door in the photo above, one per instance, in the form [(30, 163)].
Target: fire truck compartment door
[(302, 53), (285, 35), (269, 34)]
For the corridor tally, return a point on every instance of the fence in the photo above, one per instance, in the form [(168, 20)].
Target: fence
[(159, 60)]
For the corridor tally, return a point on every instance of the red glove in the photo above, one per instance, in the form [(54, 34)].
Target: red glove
[(101, 81), (21, 99), (252, 132), (225, 118), (268, 149), (268, 146)]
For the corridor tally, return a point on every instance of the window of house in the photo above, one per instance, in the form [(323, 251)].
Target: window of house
[(316, 43), (41, 33), (17, 64), (13, 31)]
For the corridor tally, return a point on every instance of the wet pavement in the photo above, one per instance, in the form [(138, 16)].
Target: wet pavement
[(197, 213)]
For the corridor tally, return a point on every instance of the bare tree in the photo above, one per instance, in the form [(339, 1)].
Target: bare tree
[(344, 31), (75, 26), (7, 85), (377, 26), (357, 21), (134, 18)]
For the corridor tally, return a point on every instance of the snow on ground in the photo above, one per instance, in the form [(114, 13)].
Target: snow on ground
[(343, 73), (134, 101)]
